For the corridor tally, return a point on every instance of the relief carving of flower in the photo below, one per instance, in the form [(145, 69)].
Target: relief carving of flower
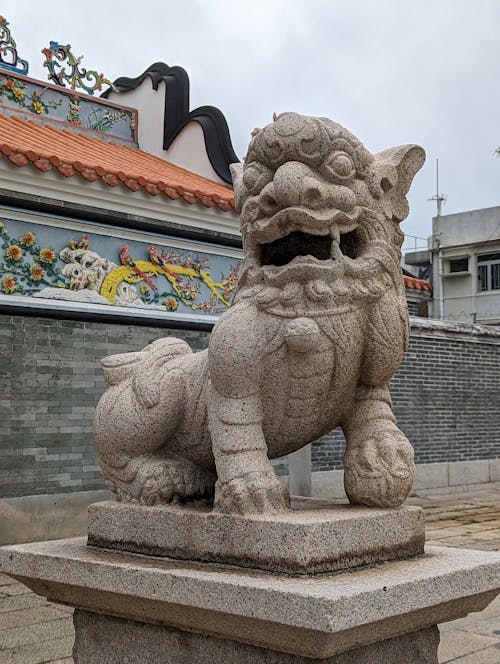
[(38, 107), (9, 284), (36, 272), (171, 303), (27, 240), (47, 255), (13, 253)]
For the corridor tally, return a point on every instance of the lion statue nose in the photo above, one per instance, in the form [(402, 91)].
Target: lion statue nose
[(295, 184)]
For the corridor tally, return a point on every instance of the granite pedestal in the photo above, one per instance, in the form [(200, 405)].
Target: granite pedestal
[(138, 608), (315, 536)]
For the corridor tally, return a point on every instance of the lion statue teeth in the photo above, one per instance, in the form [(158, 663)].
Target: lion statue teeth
[(318, 327)]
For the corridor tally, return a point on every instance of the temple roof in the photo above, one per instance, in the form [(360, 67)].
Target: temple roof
[(416, 284), (26, 142)]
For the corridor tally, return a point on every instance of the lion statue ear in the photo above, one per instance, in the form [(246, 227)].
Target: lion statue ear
[(239, 188), (395, 169)]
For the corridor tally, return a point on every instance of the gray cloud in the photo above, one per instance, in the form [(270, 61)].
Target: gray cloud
[(392, 71)]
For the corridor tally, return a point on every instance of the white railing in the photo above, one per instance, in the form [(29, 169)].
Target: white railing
[(414, 243)]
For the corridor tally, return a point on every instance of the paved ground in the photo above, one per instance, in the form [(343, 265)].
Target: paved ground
[(32, 631), (469, 521)]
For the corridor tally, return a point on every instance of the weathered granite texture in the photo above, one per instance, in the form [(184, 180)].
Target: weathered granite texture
[(316, 536), (316, 617), (113, 640), (318, 327)]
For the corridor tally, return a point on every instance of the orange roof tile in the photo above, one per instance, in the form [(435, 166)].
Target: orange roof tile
[(417, 284), (26, 142)]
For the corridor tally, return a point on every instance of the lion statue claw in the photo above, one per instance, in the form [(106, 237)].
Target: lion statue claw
[(318, 327)]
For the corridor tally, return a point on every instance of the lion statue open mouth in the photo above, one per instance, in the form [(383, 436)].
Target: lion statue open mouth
[(317, 329)]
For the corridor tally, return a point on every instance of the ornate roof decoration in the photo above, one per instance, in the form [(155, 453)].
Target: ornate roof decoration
[(9, 58), (52, 104), (177, 114), (76, 75)]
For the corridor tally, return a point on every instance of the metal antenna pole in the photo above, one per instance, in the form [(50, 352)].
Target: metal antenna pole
[(437, 252), (439, 198)]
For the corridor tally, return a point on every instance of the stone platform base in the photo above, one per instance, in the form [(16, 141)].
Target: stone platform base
[(320, 617), (101, 638), (315, 536)]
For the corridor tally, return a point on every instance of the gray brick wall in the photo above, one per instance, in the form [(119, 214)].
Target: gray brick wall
[(446, 397), (50, 382)]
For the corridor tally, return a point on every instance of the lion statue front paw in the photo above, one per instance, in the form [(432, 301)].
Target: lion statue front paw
[(256, 493), (379, 473)]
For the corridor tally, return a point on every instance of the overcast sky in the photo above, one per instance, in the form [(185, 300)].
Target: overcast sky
[(391, 71)]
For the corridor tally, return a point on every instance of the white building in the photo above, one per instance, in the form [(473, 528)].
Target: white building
[(464, 252)]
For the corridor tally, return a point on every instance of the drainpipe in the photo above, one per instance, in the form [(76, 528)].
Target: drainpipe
[(441, 284), (437, 277)]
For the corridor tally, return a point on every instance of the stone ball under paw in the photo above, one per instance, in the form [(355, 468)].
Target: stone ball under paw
[(372, 481), (384, 490)]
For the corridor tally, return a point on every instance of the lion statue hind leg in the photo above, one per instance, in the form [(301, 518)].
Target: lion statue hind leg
[(136, 418)]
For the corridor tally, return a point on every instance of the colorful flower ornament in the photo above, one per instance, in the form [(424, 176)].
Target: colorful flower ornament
[(9, 284), (13, 253), (36, 272), (17, 91), (27, 240), (76, 75), (171, 303), (47, 255)]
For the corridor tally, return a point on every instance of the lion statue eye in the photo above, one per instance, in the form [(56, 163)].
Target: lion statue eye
[(340, 167), (256, 176)]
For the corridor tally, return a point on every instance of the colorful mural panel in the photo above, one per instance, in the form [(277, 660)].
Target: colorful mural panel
[(17, 91), (55, 263), (66, 106)]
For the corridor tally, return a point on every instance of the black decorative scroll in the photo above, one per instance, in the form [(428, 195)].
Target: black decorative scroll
[(9, 58)]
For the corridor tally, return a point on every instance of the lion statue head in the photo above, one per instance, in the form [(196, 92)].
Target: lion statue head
[(320, 214)]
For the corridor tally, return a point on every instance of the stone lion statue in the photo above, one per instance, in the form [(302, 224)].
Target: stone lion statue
[(318, 326)]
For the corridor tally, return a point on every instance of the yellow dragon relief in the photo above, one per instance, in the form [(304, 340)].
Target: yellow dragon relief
[(124, 273)]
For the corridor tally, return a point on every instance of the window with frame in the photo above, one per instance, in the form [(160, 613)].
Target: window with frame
[(488, 272), (459, 264)]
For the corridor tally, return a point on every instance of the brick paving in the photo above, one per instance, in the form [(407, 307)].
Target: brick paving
[(33, 631), (468, 521)]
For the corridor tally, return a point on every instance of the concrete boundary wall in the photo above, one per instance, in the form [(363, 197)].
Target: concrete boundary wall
[(430, 478), (446, 396)]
